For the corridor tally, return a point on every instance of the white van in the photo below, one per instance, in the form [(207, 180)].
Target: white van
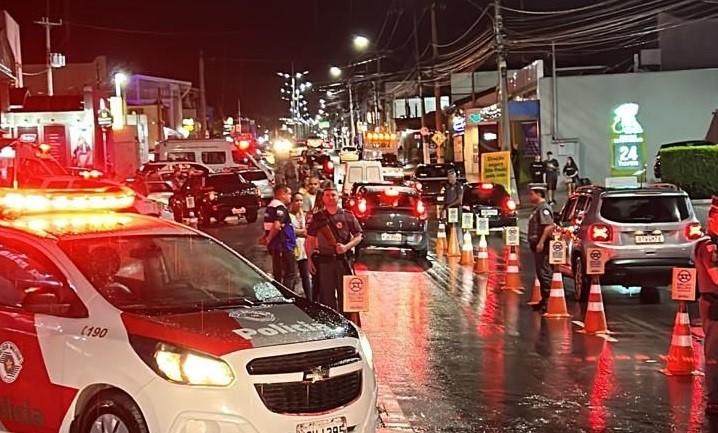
[(217, 154), (361, 171)]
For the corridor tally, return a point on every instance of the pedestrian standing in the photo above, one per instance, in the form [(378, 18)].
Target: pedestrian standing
[(299, 222), (310, 196), (280, 237), (570, 171), (540, 230), (551, 169), (291, 175), (331, 235), (537, 170), (453, 193), (706, 260)]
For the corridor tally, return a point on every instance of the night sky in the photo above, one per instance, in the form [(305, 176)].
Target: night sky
[(163, 37)]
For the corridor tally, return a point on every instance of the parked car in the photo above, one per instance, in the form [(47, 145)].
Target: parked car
[(492, 201), (432, 177), (645, 233), (164, 170), (260, 180), (657, 165), (392, 217), (391, 168), (349, 154)]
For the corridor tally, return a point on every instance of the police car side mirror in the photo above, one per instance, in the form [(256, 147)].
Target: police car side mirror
[(42, 302)]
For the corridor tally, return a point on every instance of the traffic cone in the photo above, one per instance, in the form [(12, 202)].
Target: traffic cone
[(556, 308), (453, 248), (467, 250), (536, 293), (513, 277), (595, 322), (679, 361), (441, 240), (482, 260)]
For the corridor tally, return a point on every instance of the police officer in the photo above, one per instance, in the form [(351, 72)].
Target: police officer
[(331, 235), (539, 233), (453, 193), (280, 237), (706, 260)]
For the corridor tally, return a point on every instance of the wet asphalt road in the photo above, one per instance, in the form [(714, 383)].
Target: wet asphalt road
[(459, 354)]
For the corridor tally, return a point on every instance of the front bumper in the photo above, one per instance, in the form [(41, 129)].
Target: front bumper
[(642, 272), (408, 240)]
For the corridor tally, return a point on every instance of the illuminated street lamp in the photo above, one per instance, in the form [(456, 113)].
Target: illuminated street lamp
[(361, 43), (120, 80), (335, 72)]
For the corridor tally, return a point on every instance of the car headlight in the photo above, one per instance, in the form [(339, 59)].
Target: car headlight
[(366, 348), (180, 365)]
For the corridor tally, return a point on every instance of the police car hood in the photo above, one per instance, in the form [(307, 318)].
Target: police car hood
[(222, 331)]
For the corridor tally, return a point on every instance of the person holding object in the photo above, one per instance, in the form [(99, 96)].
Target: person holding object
[(540, 230), (570, 171), (706, 260), (537, 170), (453, 193), (331, 235), (300, 228), (280, 237), (551, 169)]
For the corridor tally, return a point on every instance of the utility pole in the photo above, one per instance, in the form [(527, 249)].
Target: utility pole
[(351, 112), (437, 86), (418, 70), (503, 79), (239, 115), (202, 97), (45, 22)]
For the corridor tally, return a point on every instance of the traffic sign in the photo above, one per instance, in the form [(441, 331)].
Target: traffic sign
[(453, 215), (356, 293), (684, 284), (595, 262), (482, 226), (557, 252), (512, 236), (438, 138), (467, 220)]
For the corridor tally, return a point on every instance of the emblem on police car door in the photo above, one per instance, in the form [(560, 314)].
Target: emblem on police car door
[(10, 362), (253, 315)]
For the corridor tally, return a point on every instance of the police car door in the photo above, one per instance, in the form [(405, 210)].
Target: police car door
[(31, 288)]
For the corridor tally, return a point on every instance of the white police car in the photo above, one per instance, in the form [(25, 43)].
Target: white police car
[(128, 324)]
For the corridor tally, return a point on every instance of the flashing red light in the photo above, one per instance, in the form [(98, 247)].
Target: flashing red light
[(487, 186), (600, 233), (421, 210), (362, 206), (511, 205), (243, 144), (694, 231)]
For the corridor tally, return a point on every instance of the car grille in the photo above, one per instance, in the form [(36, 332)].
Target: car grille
[(304, 361), (308, 397)]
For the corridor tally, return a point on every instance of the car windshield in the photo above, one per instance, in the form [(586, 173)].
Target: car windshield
[(224, 182), (169, 272), (648, 209), (253, 175), (485, 195), (431, 171)]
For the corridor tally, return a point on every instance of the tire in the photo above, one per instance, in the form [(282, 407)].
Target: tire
[(112, 407), (581, 283), (649, 295), (251, 216)]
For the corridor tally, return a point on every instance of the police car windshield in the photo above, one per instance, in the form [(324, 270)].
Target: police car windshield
[(165, 272)]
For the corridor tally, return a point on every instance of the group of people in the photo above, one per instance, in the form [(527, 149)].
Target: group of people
[(547, 172), (307, 231)]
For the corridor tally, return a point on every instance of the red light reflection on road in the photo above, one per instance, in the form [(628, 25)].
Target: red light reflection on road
[(602, 388)]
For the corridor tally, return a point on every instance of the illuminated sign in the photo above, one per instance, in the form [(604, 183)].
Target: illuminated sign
[(458, 124), (628, 147)]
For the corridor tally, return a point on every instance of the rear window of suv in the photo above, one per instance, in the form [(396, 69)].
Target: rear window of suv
[(431, 171), (253, 175), (646, 209), (390, 198), (224, 183)]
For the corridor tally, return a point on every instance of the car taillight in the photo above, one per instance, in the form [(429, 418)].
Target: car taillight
[(510, 205), (361, 206), (421, 210), (694, 231), (600, 233), (329, 165)]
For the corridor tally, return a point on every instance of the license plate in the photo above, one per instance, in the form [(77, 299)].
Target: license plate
[(649, 239), (393, 237), (440, 198), (239, 211), (336, 425), (489, 212), (190, 202)]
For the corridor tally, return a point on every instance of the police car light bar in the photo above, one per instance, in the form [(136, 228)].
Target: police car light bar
[(13, 201)]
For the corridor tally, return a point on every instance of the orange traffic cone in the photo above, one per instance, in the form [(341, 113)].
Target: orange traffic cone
[(595, 322), (536, 293), (441, 240), (482, 259), (556, 308), (679, 361), (453, 249), (513, 277), (467, 250)]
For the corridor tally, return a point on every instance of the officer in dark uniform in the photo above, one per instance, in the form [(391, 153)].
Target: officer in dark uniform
[(280, 237), (331, 235), (453, 193), (540, 231), (706, 259)]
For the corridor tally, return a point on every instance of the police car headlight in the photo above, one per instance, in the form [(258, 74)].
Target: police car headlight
[(366, 348), (181, 365)]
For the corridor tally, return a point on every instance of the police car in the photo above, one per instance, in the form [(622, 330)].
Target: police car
[(124, 323)]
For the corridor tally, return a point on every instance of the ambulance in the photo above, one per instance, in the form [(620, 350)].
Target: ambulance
[(113, 322)]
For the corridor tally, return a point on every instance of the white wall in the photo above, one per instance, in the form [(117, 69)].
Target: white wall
[(674, 106)]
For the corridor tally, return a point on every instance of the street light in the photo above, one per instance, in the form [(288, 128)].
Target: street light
[(361, 43), (335, 72), (120, 80)]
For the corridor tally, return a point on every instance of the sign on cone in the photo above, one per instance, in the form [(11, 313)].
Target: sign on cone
[(556, 308), (680, 361)]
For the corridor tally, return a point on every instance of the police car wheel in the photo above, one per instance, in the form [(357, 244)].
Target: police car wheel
[(113, 412)]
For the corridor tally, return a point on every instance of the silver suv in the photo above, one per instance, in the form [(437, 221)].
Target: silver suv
[(644, 231)]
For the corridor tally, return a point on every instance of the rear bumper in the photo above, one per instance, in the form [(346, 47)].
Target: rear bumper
[(409, 240), (503, 221), (643, 272), (226, 208)]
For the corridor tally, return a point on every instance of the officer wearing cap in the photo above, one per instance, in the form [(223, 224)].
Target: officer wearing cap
[(706, 260), (539, 233), (453, 193)]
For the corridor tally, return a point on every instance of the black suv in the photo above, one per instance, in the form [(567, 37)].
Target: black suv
[(215, 196), (432, 177), (492, 201)]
